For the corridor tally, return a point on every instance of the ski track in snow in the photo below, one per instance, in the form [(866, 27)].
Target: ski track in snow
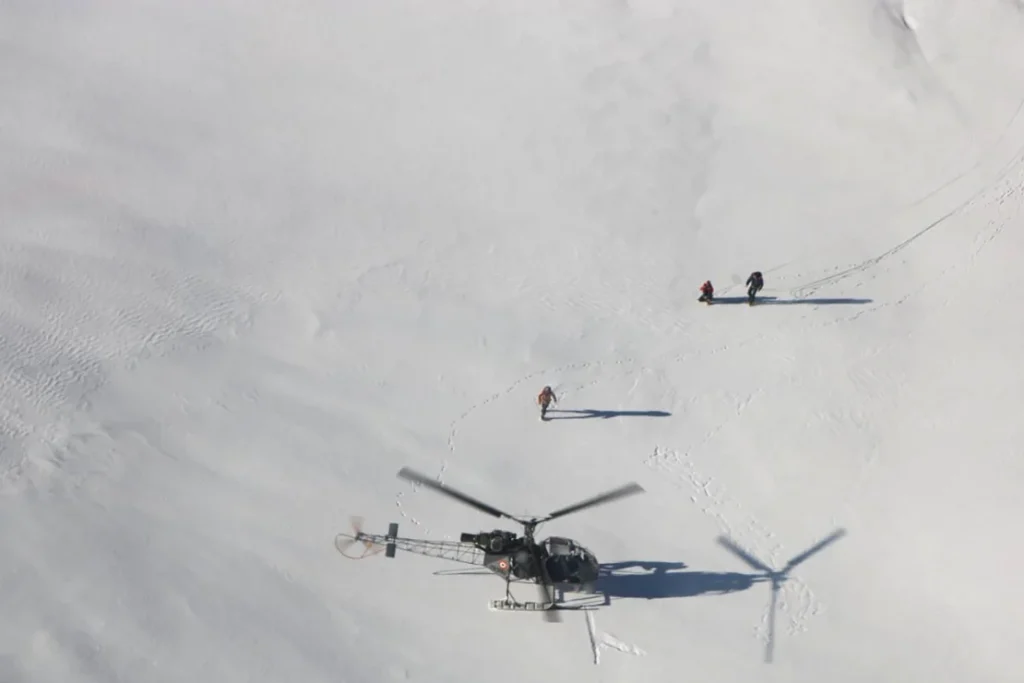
[(805, 290)]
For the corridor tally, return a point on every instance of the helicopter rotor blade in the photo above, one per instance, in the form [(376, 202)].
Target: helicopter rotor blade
[(343, 542), (547, 593), (545, 587), (600, 499), (412, 475)]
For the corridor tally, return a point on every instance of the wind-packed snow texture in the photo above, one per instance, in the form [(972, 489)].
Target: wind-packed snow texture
[(257, 257)]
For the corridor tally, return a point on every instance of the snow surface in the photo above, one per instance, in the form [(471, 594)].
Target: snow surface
[(256, 257)]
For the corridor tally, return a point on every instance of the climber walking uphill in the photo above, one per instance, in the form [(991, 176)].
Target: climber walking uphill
[(755, 283), (544, 399), (707, 292)]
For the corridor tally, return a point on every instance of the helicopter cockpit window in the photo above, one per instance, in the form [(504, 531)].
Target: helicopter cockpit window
[(563, 546), (566, 559), (560, 546)]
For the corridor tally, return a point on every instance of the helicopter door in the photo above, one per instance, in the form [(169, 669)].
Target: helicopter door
[(522, 564)]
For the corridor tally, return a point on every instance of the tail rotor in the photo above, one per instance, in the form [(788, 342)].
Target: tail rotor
[(343, 542)]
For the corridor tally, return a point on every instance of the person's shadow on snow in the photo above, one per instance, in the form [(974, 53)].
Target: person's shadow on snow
[(775, 301), (603, 414)]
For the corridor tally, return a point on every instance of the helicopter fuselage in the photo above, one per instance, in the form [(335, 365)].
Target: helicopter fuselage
[(511, 557)]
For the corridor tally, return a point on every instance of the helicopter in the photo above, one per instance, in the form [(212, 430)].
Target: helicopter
[(553, 562)]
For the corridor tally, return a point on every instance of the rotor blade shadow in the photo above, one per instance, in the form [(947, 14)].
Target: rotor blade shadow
[(412, 475), (618, 493), (776, 577), (603, 414)]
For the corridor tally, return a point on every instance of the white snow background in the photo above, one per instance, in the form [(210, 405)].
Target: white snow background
[(257, 257)]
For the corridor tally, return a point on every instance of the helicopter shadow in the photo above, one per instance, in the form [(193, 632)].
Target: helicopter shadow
[(660, 580), (603, 414)]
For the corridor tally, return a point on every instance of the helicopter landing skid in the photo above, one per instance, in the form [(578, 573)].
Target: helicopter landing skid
[(507, 605), (512, 606)]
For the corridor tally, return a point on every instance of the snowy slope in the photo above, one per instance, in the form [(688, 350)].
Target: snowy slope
[(255, 261)]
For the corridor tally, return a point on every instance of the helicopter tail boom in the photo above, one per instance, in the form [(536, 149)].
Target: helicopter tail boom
[(390, 543)]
